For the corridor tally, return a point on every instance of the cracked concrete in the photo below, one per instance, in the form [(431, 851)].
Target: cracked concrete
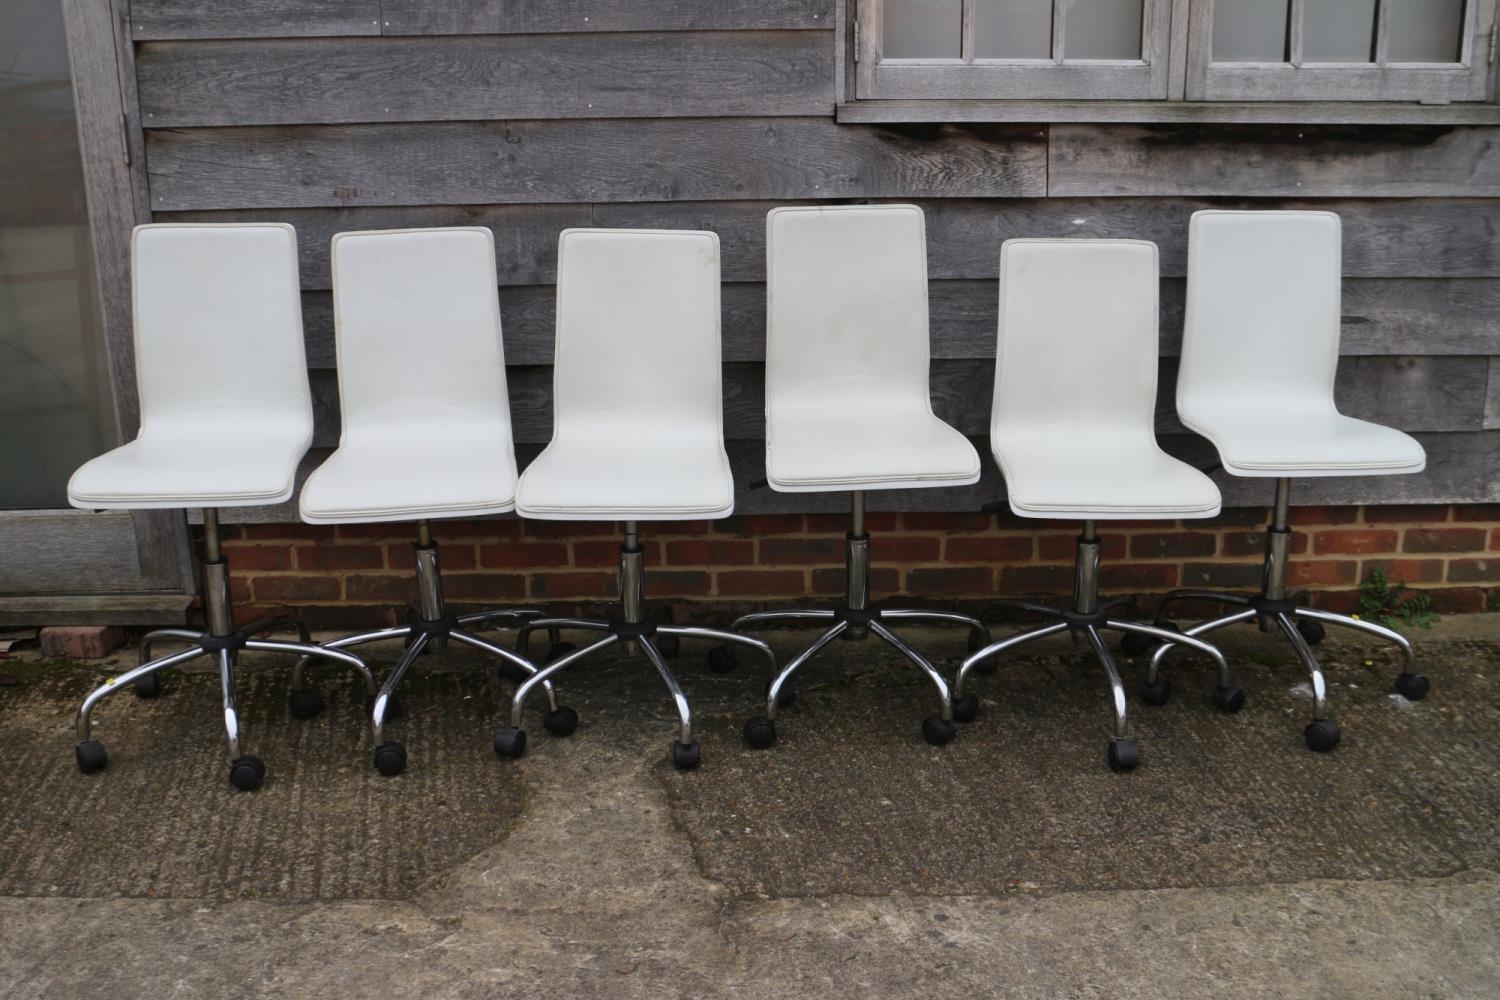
[(849, 860)]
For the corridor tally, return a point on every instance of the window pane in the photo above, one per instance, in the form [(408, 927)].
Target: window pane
[(1338, 31), (1013, 29), (1103, 29), (1250, 31), (1424, 30), (55, 408), (923, 29)]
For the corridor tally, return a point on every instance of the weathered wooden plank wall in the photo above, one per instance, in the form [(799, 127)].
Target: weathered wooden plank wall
[(530, 117)]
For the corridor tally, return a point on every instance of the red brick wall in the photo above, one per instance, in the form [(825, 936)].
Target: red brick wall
[(353, 574)]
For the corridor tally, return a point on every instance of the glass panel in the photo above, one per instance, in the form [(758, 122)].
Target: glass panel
[(1013, 29), (1103, 29), (55, 410), (1424, 31), (1338, 31), (1250, 30), (923, 29)]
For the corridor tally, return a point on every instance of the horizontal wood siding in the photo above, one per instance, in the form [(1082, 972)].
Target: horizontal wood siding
[(530, 117)]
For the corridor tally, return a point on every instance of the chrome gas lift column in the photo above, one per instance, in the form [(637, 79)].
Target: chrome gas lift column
[(428, 630), (222, 642), (1272, 609), (1086, 618), (854, 619), (657, 639)]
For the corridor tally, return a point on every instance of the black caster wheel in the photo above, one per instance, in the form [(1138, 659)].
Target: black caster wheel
[(561, 721), (91, 756), (558, 650), (966, 709), (148, 686), (1157, 692), (510, 742), (390, 759), (685, 756), (1412, 687), (721, 659), (305, 704), (1312, 631), (1228, 699), (247, 773), (1322, 735), (1123, 755), (937, 730), (760, 732)]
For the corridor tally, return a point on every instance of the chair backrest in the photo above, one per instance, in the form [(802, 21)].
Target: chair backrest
[(846, 298), (218, 322), (1263, 300), (637, 329), (417, 316), (1077, 348)]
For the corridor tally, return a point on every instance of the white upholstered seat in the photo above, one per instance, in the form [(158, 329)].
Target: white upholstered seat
[(426, 416), (1261, 346), (1072, 426), (847, 399), (637, 389), (226, 414)]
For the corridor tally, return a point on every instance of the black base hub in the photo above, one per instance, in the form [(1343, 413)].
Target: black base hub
[(1079, 620), (435, 628), (1268, 607)]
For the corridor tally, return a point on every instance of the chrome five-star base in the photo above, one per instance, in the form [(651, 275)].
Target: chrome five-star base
[(222, 642), (1303, 628), (1087, 617)]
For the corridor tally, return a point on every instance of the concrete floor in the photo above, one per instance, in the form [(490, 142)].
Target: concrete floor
[(850, 859)]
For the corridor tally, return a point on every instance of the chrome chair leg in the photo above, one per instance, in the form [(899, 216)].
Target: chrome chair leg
[(510, 740), (1226, 694), (520, 668), (1322, 734), (96, 757), (772, 617), (936, 729), (151, 639), (1123, 754), (523, 634), (965, 707), (760, 731), (1413, 686), (390, 756), (1156, 693), (309, 650), (685, 752), (246, 772)]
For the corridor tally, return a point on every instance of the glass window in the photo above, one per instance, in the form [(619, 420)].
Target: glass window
[(1103, 29), (1424, 30), (55, 402), (923, 29), (1253, 31), (1338, 31), (1013, 29)]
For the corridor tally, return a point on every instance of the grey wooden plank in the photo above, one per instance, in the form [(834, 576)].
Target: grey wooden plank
[(1415, 394), (615, 160), (1269, 161), (97, 609), (478, 77), (1433, 317), (456, 17), (69, 552), (1169, 112), (1405, 238), (159, 19), (1461, 468), (112, 153), (525, 235), (1492, 397)]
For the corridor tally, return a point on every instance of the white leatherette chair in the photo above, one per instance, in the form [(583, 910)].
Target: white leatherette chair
[(848, 410), (638, 429), (426, 429), (1259, 354), (226, 415), (1072, 428)]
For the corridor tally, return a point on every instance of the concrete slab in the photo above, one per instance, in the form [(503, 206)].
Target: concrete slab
[(849, 860)]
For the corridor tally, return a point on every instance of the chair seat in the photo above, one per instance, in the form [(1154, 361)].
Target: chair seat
[(392, 474), (633, 470), (1267, 436), (1082, 474), (220, 460), (861, 444)]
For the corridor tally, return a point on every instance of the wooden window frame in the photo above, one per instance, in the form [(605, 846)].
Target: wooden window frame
[(873, 90), (1299, 80), (1055, 78)]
